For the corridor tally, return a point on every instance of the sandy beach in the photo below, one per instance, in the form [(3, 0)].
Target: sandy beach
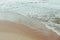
[(13, 31)]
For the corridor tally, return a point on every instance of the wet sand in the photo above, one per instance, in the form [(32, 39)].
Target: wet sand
[(13, 31)]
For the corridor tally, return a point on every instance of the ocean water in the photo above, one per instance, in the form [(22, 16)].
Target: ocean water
[(47, 11)]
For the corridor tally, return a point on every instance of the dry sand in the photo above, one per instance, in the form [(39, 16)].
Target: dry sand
[(13, 31)]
